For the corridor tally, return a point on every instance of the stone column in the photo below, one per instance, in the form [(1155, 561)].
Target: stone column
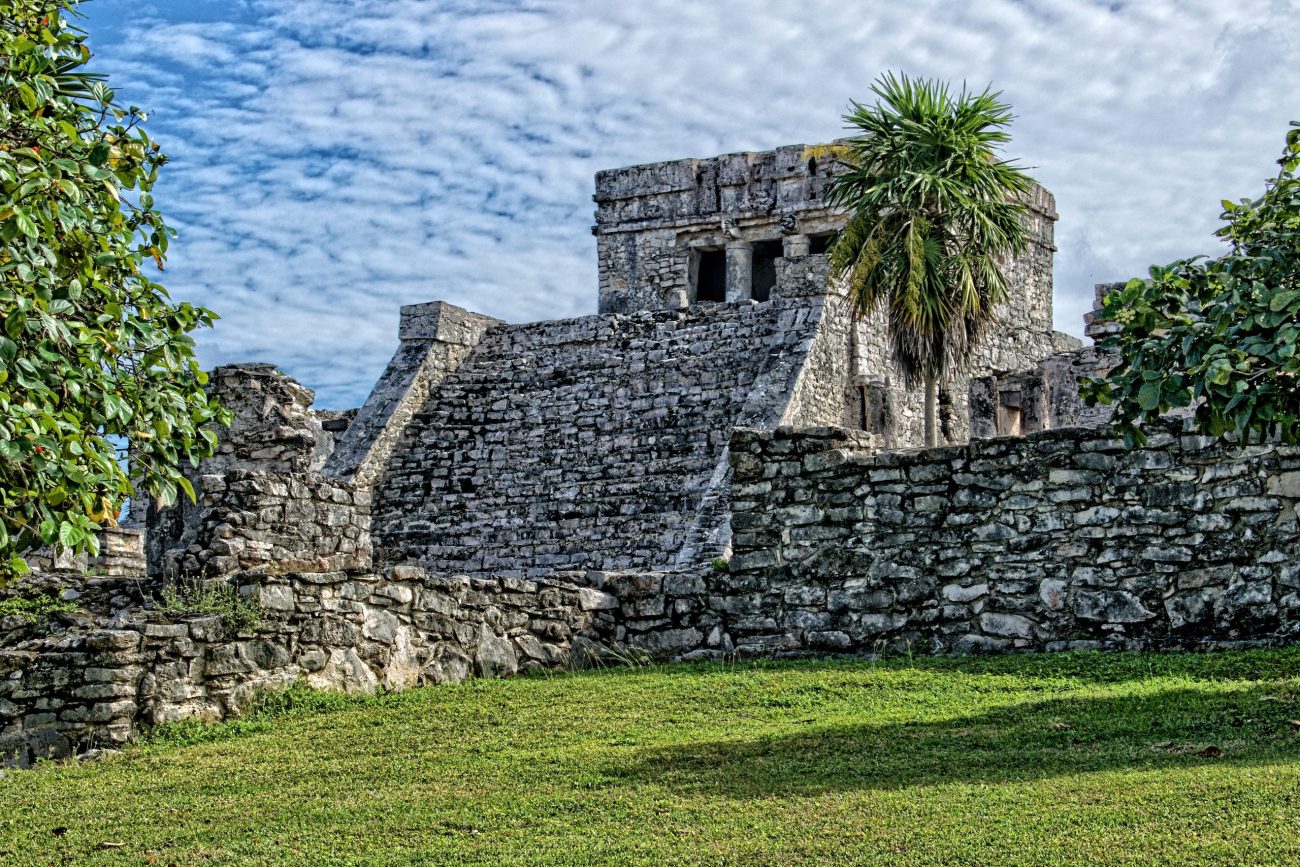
[(796, 245), (740, 271)]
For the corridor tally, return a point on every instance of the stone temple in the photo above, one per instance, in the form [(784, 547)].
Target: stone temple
[(601, 442), (719, 462)]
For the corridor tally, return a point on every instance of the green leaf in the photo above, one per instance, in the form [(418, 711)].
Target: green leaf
[(1282, 301), (70, 537), (25, 224), (1148, 397)]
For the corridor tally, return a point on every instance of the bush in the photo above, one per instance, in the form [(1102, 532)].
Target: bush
[(1220, 335)]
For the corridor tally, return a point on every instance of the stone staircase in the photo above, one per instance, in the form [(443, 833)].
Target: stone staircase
[(586, 443)]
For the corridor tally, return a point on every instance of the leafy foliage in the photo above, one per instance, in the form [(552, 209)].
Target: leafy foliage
[(1217, 334), (92, 350), (933, 212)]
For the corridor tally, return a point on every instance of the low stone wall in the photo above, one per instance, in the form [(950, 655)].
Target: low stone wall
[(270, 522), (87, 679), (1060, 540)]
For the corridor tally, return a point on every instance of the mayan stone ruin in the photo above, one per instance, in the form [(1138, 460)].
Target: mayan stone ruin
[(720, 461)]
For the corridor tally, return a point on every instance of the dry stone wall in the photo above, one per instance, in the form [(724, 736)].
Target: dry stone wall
[(1062, 539), (272, 522), (90, 679)]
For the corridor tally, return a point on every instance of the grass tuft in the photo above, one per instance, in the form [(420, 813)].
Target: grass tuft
[(196, 596)]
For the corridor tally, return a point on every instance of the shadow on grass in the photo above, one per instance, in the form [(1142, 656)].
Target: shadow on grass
[(1060, 737), (1095, 667)]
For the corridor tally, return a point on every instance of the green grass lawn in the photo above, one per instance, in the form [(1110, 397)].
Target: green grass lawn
[(1054, 759)]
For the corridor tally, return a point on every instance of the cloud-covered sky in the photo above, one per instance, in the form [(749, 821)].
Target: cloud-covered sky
[(335, 159)]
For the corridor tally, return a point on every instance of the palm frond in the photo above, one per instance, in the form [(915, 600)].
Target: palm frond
[(933, 208)]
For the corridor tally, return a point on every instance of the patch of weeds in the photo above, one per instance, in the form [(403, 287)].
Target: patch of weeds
[(192, 731), (301, 700), (720, 564), (190, 596), (297, 700), (36, 608)]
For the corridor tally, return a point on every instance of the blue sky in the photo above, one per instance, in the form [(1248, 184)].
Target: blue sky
[(335, 159)]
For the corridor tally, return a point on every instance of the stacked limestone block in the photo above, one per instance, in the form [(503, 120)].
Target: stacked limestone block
[(274, 522), (259, 499), (274, 428), (662, 615), (1063, 539), (90, 679)]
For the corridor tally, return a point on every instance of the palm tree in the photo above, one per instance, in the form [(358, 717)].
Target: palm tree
[(933, 213)]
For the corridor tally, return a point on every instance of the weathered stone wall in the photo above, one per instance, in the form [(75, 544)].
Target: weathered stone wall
[(91, 678), (1044, 395), (1062, 539), (434, 339), (274, 430), (121, 552), (271, 522), (652, 220), (1059, 540)]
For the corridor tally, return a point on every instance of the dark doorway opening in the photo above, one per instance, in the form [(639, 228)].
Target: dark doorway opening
[(818, 244), (711, 276), (765, 255)]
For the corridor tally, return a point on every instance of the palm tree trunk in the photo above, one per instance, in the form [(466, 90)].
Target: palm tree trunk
[(931, 410)]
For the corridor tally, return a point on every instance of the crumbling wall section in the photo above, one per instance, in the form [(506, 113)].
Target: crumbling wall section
[(1045, 395), (273, 522), (822, 392), (274, 428), (275, 431)]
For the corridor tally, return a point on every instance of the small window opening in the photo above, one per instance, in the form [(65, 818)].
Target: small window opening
[(711, 276), (819, 244), (765, 255)]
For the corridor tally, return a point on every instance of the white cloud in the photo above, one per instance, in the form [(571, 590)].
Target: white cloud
[(333, 160)]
